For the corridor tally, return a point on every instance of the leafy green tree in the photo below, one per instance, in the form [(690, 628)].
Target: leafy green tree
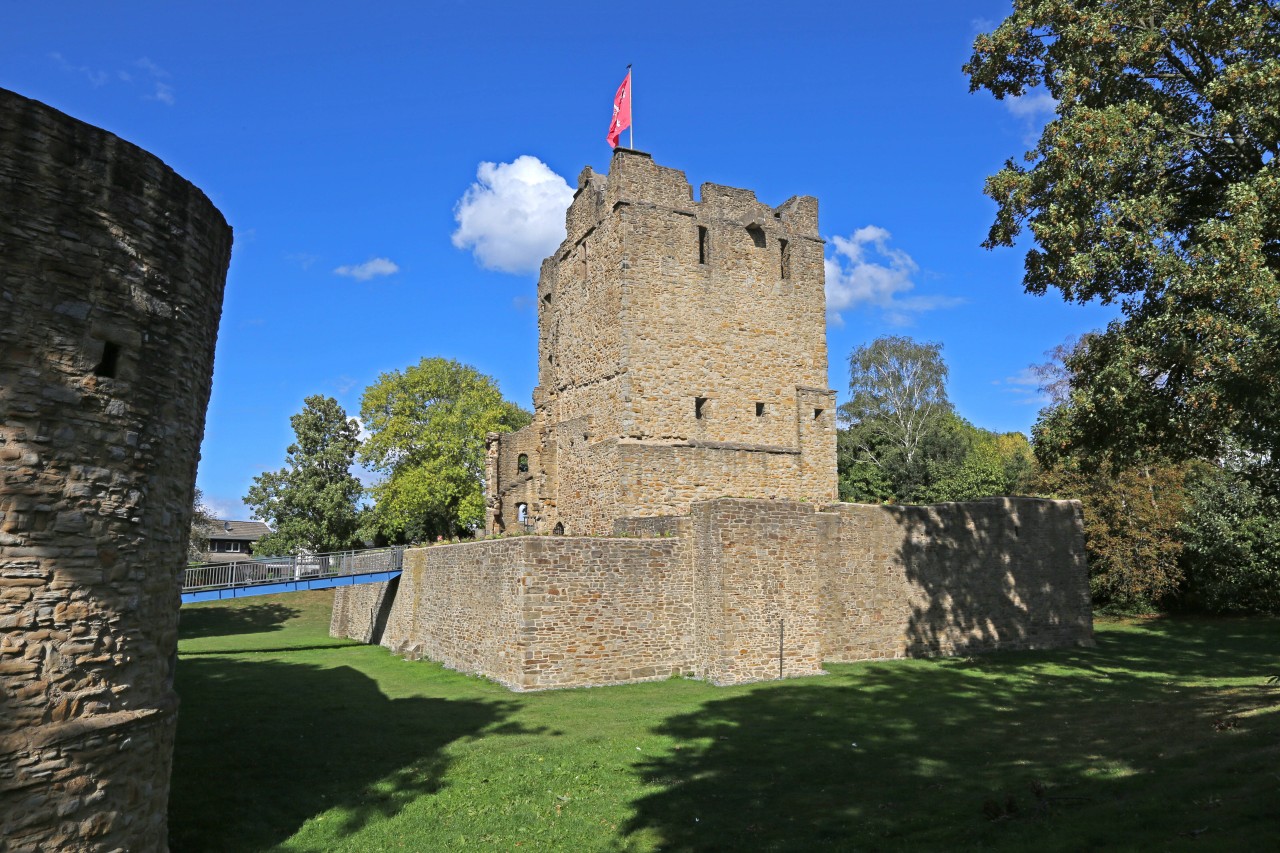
[(1133, 519), (860, 480), (898, 414), (1232, 535), (202, 522), (903, 442), (991, 464), (1156, 186), (427, 429), (313, 503)]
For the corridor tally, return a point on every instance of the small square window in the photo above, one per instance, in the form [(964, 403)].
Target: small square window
[(110, 361), (699, 407), (817, 413), (759, 410)]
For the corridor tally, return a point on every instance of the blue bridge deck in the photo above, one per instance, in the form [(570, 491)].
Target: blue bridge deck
[(271, 575)]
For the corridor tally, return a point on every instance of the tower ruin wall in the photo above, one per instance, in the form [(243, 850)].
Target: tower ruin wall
[(110, 294)]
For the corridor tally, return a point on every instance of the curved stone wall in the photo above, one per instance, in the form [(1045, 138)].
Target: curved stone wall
[(112, 269)]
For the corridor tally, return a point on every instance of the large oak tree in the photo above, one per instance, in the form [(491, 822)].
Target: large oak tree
[(1155, 186)]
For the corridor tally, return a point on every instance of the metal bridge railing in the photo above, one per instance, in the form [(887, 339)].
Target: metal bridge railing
[(269, 570)]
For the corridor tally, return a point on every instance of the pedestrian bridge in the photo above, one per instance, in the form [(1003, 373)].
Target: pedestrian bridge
[(270, 575)]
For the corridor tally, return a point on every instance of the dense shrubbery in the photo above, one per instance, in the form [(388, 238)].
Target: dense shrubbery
[(1132, 524), (1232, 541)]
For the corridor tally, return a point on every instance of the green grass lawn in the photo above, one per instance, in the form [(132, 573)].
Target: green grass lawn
[(1165, 736)]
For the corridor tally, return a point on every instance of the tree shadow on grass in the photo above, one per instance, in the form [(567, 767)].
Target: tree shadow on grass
[(215, 621), (1062, 750), (262, 746)]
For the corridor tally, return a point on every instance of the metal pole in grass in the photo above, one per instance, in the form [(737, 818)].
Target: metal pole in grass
[(781, 623)]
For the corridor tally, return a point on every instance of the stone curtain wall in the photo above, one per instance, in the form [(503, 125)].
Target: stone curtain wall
[(757, 586), (361, 611), (736, 586), (460, 605), (111, 276), (533, 612), (955, 578)]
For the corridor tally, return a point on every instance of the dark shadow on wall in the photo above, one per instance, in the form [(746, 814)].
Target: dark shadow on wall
[(1074, 749), (243, 619), (262, 746), (385, 604), (994, 573)]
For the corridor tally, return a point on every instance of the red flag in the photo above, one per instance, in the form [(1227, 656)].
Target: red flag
[(621, 111)]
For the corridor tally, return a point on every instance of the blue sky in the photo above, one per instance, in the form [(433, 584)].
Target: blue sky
[(343, 141)]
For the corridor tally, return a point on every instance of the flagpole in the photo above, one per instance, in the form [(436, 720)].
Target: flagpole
[(631, 129)]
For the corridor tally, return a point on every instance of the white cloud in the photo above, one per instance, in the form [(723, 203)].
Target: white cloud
[(1025, 387), (369, 269), (96, 77), (150, 67), (160, 91), (163, 94), (302, 259), (224, 508), (854, 278), (1035, 105), (513, 215)]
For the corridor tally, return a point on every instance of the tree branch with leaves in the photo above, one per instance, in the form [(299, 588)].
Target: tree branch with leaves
[(1155, 186)]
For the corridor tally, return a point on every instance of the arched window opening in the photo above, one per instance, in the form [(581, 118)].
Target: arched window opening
[(757, 235), (522, 513), (522, 463), (559, 529)]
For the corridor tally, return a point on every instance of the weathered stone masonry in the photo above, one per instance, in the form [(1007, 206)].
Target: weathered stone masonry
[(738, 590), (682, 360), (112, 269), (682, 356)]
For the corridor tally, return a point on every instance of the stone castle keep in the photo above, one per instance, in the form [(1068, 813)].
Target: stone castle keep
[(682, 457), (683, 356)]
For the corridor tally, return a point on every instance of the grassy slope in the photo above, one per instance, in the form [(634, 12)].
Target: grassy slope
[(1166, 736)]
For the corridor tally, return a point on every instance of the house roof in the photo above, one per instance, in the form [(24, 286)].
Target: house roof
[(245, 531)]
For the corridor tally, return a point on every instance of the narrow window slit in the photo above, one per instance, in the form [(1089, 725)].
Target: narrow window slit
[(786, 258), (702, 244), (110, 361), (759, 410)]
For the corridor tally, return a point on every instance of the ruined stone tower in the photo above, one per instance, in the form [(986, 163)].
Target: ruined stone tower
[(682, 357), (111, 276)]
